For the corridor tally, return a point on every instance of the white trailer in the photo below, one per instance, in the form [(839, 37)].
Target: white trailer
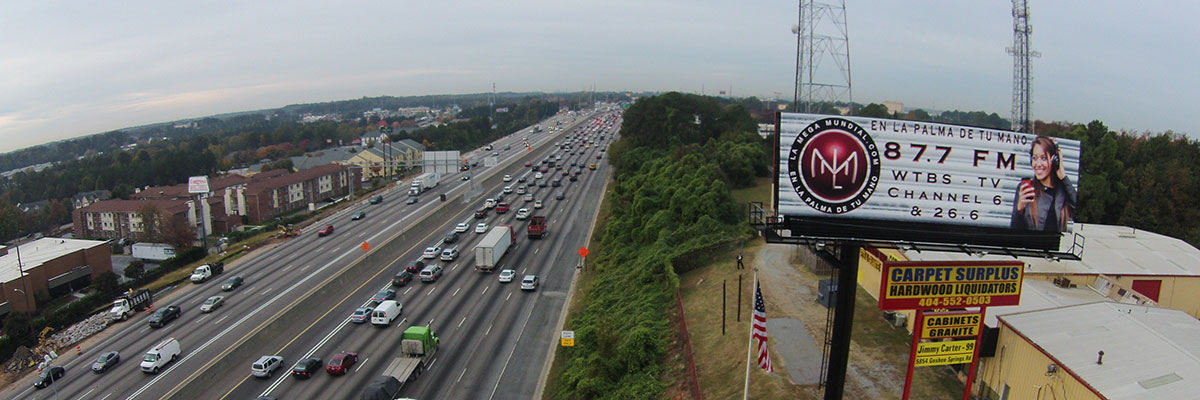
[(423, 182), (493, 247), (155, 252)]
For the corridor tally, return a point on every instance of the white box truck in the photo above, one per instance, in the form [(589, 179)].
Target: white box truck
[(154, 252), (159, 356), (423, 182), (494, 246), (386, 312)]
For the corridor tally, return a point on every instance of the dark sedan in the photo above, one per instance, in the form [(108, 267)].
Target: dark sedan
[(162, 316), (49, 376), (306, 367)]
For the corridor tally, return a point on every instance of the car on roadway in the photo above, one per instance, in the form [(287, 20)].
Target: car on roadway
[(521, 179), (49, 376), (361, 315), (212, 303), (538, 175), (489, 204), (599, 156), (359, 215), (508, 178), (341, 363), (462, 227), (402, 278), (573, 177), (537, 204), (449, 254), (232, 283), (431, 273), (450, 237), (377, 199), (327, 230), (529, 283), (466, 177), (529, 197), (591, 166), (481, 213), (106, 361), (507, 275), (481, 227), (501, 208), (162, 316), (305, 368), (522, 214), (265, 366), (411, 200), (528, 164), (521, 190), (385, 294), (508, 189), (541, 183), (431, 252), (415, 267), (559, 196)]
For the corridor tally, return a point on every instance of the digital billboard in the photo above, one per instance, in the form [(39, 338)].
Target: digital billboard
[(892, 179)]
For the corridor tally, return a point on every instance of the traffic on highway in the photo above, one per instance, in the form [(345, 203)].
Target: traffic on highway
[(380, 289)]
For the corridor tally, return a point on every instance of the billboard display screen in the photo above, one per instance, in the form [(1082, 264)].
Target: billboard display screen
[(924, 174)]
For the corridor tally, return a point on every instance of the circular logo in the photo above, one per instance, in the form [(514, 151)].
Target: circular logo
[(834, 166)]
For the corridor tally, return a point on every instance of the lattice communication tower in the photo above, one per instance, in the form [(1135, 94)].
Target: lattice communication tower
[(821, 38)]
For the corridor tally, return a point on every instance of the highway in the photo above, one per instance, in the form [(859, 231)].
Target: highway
[(482, 324)]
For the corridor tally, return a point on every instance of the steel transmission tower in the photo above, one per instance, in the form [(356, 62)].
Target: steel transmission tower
[(1021, 121), (821, 38)]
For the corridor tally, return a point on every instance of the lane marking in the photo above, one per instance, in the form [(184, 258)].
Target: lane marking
[(106, 396), (455, 292), (507, 297), (220, 319), (431, 291), (201, 318), (264, 293), (406, 291), (461, 322), (360, 364), (90, 391), (489, 329), (485, 288), (461, 375)]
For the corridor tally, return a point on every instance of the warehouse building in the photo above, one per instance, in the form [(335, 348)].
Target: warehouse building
[(1102, 350), (49, 267)]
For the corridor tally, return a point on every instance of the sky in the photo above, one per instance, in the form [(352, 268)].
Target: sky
[(70, 68)]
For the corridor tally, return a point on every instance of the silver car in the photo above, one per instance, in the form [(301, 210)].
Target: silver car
[(212, 303), (265, 366)]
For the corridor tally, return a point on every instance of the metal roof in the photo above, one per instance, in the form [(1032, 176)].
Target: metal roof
[(1149, 353), (37, 252), (1108, 249), (1040, 295)]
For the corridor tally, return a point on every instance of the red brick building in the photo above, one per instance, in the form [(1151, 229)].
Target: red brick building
[(117, 219), (269, 195), (49, 266)]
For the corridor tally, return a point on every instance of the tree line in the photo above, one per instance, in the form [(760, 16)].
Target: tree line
[(677, 158), (251, 139)]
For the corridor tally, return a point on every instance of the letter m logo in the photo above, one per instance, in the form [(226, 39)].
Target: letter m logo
[(849, 166)]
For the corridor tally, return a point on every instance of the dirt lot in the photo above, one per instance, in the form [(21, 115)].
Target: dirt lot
[(878, 352)]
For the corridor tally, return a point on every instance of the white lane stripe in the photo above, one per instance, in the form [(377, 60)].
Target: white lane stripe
[(455, 292), (461, 322), (248, 315), (360, 364)]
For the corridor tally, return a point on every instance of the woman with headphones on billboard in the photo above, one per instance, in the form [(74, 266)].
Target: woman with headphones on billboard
[(1046, 202)]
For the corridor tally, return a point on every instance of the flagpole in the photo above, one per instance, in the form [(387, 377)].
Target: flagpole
[(750, 342)]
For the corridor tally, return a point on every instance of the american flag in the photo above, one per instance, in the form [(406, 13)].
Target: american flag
[(758, 330)]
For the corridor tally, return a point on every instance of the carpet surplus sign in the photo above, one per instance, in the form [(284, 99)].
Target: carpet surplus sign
[(926, 285)]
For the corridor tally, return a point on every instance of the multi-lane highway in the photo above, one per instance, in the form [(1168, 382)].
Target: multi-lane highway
[(494, 337)]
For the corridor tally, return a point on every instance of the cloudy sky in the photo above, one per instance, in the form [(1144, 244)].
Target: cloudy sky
[(70, 68)]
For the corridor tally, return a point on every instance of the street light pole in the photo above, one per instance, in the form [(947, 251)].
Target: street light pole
[(24, 298)]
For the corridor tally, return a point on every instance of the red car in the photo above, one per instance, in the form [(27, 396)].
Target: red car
[(527, 163), (501, 208), (327, 230), (339, 364)]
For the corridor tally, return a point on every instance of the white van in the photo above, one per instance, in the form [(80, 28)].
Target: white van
[(385, 313), (159, 356)]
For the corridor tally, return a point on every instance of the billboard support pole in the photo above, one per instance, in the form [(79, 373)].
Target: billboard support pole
[(918, 325), (843, 319), (975, 357)]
